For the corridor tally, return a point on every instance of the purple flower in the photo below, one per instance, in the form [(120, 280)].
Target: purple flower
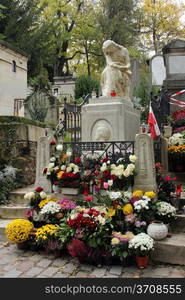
[(140, 224), (67, 204)]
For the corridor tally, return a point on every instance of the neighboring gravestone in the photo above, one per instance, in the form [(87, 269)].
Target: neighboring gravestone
[(43, 159), (158, 70), (174, 58), (145, 179)]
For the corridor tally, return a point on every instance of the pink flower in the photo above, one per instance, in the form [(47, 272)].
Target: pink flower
[(106, 185), (89, 199), (87, 172)]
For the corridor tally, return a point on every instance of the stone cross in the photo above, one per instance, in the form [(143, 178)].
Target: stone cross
[(145, 179), (42, 161)]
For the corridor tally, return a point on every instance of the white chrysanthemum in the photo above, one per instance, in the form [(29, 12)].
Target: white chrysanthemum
[(51, 166), (43, 195), (164, 209), (176, 139), (141, 204), (59, 147), (115, 195), (50, 208), (52, 159), (29, 196), (133, 158), (63, 168), (142, 242), (110, 182), (69, 169)]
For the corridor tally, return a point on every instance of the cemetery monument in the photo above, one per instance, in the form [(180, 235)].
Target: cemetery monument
[(112, 117)]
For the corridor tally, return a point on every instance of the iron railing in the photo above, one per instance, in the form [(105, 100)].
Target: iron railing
[(112, 150)]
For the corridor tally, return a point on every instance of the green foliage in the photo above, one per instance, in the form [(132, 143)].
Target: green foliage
[(118, 21), (84, 85), (37, 104), (144, 92), (65, 233)]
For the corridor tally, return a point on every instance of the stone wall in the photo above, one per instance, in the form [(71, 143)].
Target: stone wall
[(18, 146)]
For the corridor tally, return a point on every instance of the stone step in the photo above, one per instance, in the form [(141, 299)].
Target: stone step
[(179, 224), (12, 212), (170, 250), (3, 224)]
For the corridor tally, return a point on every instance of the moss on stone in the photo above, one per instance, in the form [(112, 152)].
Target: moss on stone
[(13, 120)]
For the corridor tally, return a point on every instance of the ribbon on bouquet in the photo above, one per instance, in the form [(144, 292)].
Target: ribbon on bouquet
[(175, 101)]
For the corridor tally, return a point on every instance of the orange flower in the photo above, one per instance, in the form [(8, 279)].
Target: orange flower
[(60, 174), (64, 157)]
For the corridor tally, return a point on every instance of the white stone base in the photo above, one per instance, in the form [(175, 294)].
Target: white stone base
[(69, 191), (109, 119)]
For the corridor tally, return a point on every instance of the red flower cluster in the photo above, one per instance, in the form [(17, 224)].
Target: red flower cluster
[(77, 160), (39, 189), (70, 175), (53, 142), (78, 249), (178, 114), (83, 221)]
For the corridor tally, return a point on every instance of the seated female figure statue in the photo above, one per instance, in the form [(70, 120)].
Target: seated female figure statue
[(116, 76)]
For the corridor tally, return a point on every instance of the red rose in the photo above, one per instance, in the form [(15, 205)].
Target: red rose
[(96, 173), (53, 142), (39, 189), (77, 160), (89, 199), (113, 177), (105, 160), (106, 173)]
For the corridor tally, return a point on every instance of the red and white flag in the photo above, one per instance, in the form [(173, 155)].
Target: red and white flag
[(154, 128)]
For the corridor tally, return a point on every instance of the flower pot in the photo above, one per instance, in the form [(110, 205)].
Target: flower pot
[(157, 230), (142, 261), (22, 245)]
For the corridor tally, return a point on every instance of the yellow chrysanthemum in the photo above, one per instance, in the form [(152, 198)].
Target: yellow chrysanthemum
[(115, 241), (111, 212), (150, 194), (127, 209), (44, 202), (19, 230), (46, 231), (59, 174), (138, 193)]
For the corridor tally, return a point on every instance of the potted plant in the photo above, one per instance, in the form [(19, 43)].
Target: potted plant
[(140, 246), (165, 212), (19, 232)]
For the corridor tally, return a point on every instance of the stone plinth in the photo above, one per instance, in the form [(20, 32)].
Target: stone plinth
[(109, 119), (145, 179)]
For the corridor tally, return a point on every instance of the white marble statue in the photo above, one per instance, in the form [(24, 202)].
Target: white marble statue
[(117, 75)]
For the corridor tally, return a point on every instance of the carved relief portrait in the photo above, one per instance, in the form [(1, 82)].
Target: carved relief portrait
[(101, 131)]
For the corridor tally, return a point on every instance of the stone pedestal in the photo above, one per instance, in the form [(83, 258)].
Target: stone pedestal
[(109, 119), (43, 159), (145, 179)]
